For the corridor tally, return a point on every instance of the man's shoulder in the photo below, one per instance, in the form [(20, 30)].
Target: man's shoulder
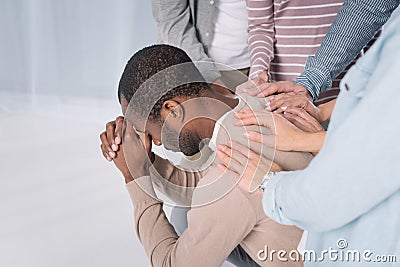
[(229, 131)]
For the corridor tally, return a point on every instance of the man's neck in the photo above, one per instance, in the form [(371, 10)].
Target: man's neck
[(217, 107)]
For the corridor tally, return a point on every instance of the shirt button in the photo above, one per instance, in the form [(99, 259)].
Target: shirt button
[(207, 34), (212, 2)]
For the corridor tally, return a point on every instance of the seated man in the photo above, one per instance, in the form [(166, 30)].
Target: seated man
[(166, 101)]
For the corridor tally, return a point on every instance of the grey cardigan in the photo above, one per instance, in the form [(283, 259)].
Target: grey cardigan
[(187, 24)]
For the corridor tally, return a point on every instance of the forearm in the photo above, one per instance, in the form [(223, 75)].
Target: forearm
[(180, 176), (357, 168), (356, 24), (326, 110), (152, 227), (207, 227), (261, 35), (309, 142), (176, 182)]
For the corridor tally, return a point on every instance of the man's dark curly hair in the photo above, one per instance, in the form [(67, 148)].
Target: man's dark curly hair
[(176, 80)]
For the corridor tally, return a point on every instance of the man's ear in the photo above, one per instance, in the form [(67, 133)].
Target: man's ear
[(173, 109)]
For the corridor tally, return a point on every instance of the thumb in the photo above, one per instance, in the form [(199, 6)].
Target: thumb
[(265, 139)]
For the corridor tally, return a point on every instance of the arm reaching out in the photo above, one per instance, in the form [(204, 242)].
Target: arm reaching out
[(355, 25), (261, 35), (284, 135)]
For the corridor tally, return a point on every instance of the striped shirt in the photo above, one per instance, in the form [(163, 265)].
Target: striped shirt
[(355, 25), (283, 33)]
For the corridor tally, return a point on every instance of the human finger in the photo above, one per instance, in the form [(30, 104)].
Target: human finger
[(263, 118), (300, 112), (243, 153), (305, 118), (106, 148), (225, 154), (119, 125), (110, 132), (267, 140), (267, 89), (287, 100), (299, 122)]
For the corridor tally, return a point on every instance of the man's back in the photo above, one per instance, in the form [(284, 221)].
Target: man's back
[(222, 216), (218, 195)]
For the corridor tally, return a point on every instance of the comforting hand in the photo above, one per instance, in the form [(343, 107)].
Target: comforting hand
[(253, 83), (249, 166), (303, 120), (267, 89), (283, 134), (281, 102)]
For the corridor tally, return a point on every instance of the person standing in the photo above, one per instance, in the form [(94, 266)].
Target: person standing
[(282, 34), (211, 31), (356, 23)]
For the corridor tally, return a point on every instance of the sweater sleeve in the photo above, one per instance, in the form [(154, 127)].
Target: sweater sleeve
[(207, 226), (175, 182), (261, 35)]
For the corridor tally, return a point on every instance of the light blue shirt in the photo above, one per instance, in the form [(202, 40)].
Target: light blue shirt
[(351, 190)]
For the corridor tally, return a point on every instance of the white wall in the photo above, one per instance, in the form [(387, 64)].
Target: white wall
[(61, 203), (70, 47)]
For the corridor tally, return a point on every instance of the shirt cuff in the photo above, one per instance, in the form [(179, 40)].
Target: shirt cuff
[(314, 79), (270, 199), (141, 190)]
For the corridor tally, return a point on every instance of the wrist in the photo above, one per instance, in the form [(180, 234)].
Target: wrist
[(137, 173), (128, 178), (326, 110), (320, 114), (300, 141), (297, 138), (264, 75), (310, 142), (325, 115), (303, 81)]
